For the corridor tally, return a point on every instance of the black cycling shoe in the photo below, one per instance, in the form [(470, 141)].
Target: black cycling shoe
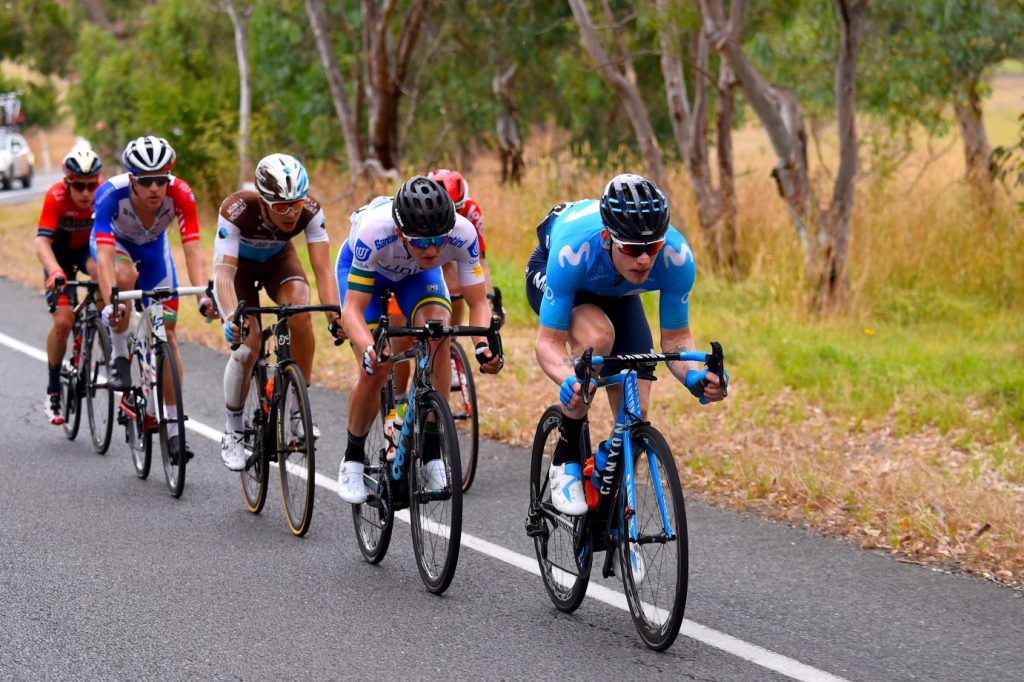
[(173, 444), (120, 375)]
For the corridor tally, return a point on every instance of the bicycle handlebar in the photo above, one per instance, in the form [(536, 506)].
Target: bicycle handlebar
[(158, 294), (714, 361), (286, 310)]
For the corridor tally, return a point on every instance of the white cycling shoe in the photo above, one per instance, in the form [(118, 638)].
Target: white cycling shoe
[(351, 486), (433, 475), (299, 430), (232, 451), (636, 563), (565, 482)]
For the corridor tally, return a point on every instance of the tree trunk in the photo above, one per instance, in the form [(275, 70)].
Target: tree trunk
[(315, 11), (977, 150), (623, 83), (510, 144), (726, 244), (240, 23)]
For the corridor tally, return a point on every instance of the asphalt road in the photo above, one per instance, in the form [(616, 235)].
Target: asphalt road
[(105, 576), (18, 194)]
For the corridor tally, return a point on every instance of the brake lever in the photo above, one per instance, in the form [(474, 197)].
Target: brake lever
[(582, 367), (238, 320), (716, 365)]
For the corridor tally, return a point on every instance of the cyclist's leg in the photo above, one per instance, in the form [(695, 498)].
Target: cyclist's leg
[(61, 306), (403, 371), (628, 317), (240, 362), (426, 297), (286, 283)]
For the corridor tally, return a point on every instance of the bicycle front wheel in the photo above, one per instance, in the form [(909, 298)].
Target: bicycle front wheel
[(462, 401), (655, 565), (296, 449), (99, 399), (70, 385), (257, 443), (435, 500), (135, 405), (175, 461), (375, 518), (562, 543)]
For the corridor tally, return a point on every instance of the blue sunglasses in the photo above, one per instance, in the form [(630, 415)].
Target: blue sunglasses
[(426, 242)]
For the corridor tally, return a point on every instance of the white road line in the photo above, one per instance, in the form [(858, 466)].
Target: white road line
[(719, 640)]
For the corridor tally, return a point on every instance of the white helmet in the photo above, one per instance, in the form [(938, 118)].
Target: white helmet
[(148, 154), (82, 162), (280, 177)]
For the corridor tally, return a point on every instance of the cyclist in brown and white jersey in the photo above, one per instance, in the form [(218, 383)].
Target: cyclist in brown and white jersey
[(254, 248)]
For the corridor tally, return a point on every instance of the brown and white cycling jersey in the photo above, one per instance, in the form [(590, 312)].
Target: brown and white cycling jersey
[(243, 233)]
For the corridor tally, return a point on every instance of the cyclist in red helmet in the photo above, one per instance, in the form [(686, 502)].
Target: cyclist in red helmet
[(458, 190)]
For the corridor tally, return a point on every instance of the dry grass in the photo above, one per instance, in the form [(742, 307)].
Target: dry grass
[(885, 450)]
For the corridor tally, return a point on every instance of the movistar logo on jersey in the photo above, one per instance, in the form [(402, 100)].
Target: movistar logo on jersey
[(677, 258), (474, 249), (573, 258), (381, 243), (458, 242), (362, 251)]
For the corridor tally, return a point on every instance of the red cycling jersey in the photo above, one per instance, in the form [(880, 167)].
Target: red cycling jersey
[(63, 221), (471, 212)]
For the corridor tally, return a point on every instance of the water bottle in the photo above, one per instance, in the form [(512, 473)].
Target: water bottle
[(592, 493), (389, 432)]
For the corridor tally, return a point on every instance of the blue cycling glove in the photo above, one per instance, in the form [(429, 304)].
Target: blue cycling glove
[(567, 390), (696, 380), (230, 335)]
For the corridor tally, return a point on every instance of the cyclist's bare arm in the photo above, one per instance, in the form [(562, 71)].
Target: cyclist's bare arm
[(105, 267), (326, 280), (678, 340), (224, 285), (475, 296), (44, 252), (551, 354), (195, 263), (353, 319)]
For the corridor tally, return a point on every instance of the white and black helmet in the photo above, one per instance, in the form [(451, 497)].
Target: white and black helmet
[(81, 162), (149, 154), (281, 177)]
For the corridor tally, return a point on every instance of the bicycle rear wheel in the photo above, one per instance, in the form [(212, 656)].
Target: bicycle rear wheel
[(175, 463), (562, 543), (375, 518), (99, 399), (436, 514), (462, 401), (257, 443), (655, 569), (296, 450), (70, 384), (135, 404)]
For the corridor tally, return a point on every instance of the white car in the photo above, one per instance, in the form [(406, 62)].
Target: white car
[(16, 160)]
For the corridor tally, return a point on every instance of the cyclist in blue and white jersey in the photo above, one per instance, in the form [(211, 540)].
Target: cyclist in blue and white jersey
[(593, 260), (134, 211), (400, 244)]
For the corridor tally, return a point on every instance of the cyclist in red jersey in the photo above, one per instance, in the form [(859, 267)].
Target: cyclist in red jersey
[(62, 246), (458, 190)]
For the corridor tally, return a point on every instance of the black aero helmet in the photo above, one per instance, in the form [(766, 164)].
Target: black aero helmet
[(633, 209), (422, 208)]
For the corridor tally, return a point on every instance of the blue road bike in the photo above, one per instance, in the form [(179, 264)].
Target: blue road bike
[(640, 515)]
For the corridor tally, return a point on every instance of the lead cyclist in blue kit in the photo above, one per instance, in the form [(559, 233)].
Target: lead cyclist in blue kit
[(584, 280)]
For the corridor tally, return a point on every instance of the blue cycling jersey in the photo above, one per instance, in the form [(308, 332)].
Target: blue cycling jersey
[(578, 261)]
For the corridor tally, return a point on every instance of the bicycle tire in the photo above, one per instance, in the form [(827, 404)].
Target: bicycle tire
[(99, 398), (257, 442), (174, 468), (462, 401), (570, 544), (296, 456), (436, 528), (140, 441), (644, 598), (375, 519), (70, 385)]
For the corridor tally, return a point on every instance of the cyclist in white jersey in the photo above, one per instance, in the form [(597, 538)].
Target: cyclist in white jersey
[(400, 244)]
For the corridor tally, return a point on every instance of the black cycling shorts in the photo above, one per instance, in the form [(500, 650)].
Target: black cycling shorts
[(71, 261)]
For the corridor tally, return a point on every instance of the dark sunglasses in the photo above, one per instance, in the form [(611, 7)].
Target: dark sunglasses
[(637, 249), (80, 186), (150, 180), (426, 242)]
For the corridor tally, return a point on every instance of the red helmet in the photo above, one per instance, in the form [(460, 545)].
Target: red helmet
[(454, 183)]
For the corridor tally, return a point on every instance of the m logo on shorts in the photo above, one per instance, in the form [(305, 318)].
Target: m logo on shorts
[(362, 251), (433, 288)]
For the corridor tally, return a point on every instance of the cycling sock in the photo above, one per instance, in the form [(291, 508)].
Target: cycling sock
[(568, 447), (431, 442), (172, 421), (234, 373), (233, 420), (354, 451), (119, 343), (53, 380)]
